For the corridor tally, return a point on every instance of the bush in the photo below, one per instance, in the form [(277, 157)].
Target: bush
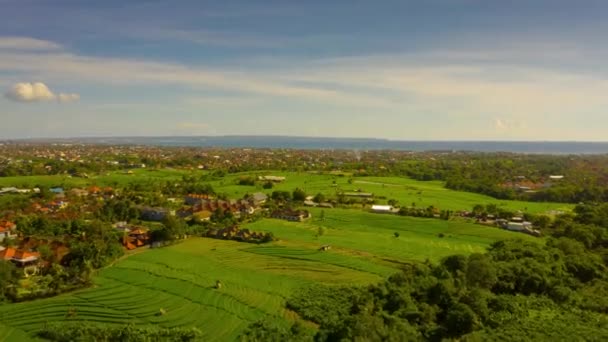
[(83, 331)]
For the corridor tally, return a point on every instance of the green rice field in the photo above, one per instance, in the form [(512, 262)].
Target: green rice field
[(256, 278), (406, 191)]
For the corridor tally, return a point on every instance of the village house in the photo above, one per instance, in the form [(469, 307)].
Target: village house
[(7, 230), (57, 205), (291, 215), (192, 199), (275, 179), (310, 203), (235, 233), (137, 237), (76, 192), (359, 194), (94, 190), (24, 258), (20, 257), (517, 224), (133, 236), (13, 190), (236, 207), (56, 190), (383, 209), (259, 198), (155, 214)]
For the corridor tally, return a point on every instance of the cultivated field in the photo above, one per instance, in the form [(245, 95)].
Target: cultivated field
[(256, 278), (406, 191)]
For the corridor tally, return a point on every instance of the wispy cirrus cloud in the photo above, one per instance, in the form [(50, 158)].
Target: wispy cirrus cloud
[(26, 43), (68, 66)]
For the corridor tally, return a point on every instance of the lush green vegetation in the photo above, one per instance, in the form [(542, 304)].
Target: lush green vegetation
[(518, 290), (179, 280), (75, 332), (404, 191), (355, 232), (345, 274)]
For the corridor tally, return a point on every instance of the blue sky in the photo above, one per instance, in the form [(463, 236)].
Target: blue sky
[(430, 70)]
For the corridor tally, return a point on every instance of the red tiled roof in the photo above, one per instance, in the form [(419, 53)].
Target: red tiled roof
[(94, 189), (8, 253), (20, 255), (6, 225)]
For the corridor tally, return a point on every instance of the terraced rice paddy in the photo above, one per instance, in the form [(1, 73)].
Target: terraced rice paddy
[(256, 279)]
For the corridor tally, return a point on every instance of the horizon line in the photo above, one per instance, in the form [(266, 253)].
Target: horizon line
[(293, 137)]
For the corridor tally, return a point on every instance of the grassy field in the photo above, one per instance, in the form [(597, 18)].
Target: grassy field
[(363, 234), (404, 190), (256, 278)]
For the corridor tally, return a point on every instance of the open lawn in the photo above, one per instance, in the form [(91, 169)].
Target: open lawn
[(256, 278)]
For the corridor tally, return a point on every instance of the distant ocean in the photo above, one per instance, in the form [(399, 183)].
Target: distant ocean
[(537, 147)]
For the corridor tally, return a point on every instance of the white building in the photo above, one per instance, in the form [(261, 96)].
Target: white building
[(382, 208)]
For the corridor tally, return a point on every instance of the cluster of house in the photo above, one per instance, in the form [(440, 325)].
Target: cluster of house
[(133, 236), (25, 254), (517, 224), (156, 214), (203, 206), (235, 233), (291, 215), (522, 184), (50, 207), (7, 230)]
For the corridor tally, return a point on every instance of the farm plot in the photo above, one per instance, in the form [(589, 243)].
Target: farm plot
[(358, 233), (405, 190), (179, 281)]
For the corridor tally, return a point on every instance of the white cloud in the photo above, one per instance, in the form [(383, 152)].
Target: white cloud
[(26, 43), (30, 92), (37, 92), (72, 97)]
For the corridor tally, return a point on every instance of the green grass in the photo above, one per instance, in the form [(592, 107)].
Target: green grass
[(404, 190), (115, 178), (362, 234), (256, 278), (180, 280)]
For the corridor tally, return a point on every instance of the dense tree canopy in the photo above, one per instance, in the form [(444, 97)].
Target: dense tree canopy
[(519, 290)]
